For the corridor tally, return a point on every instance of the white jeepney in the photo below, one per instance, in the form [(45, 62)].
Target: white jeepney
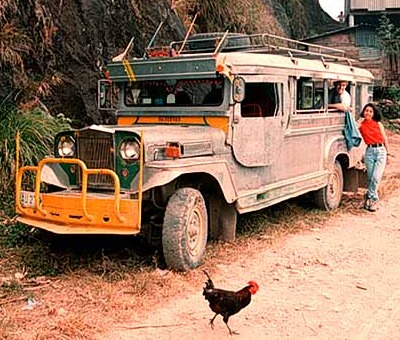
[(207, 129)]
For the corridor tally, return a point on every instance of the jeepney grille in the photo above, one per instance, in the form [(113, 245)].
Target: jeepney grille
[(96, 150)]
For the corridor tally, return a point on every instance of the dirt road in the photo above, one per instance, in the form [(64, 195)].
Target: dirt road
[(340, 281)]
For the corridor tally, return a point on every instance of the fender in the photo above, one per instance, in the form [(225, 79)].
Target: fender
[(159, 173)]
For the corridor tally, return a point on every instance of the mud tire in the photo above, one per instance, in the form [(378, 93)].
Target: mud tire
[(329, 197), (185, 229)]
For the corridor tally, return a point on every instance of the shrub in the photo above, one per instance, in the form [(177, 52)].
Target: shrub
[(36, 128)]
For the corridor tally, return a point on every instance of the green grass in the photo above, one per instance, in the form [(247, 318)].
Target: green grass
[(37, 129)]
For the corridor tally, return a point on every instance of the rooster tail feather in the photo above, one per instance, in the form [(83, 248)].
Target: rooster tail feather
[(209, 283)]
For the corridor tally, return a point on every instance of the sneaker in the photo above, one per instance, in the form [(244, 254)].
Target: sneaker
[(367, 202), (373, 205)]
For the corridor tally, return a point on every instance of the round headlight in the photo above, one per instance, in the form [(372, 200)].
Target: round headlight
[(66, 146), (129, 150)]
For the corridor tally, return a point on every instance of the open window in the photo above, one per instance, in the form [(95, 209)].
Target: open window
[(310, 95), (175, 92), (262, 100), (107, 95)]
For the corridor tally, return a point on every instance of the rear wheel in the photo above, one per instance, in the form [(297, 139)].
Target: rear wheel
[(185, 228), (329, 197)]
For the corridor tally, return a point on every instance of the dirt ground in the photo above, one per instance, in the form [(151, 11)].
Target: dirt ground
[(337, 281)]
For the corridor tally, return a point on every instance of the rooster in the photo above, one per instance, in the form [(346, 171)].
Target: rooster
[(225, 302)]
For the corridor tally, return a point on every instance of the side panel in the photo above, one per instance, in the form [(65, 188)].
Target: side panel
[(260, 121)]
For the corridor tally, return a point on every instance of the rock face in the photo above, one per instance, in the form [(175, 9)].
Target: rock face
[(54, 51)]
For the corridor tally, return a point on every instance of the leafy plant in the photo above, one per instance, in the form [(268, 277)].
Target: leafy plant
[(389, 35), (36, 128)]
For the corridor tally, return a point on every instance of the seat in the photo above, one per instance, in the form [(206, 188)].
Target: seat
[(251, 110)]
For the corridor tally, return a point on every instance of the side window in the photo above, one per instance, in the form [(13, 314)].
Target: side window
[(310, 95), (358, 98), (262, 100)]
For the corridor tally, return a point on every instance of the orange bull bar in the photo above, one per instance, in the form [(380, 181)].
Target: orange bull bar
[(81, 212), (67, 212)]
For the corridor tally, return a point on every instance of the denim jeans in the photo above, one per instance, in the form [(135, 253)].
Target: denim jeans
[(375, 162)]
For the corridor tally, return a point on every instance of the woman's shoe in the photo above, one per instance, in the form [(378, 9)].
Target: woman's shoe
[(367, 202), (373, 205)]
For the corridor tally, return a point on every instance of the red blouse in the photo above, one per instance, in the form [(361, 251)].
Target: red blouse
[(371, 132)]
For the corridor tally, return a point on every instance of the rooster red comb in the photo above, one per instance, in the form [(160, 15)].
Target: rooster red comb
[(253, 287)]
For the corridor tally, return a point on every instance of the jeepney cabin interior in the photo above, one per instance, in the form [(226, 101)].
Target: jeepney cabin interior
[(175, 92), (261, 100), (311, 96)]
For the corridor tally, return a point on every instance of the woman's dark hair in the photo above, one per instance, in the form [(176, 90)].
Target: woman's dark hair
[(376, 115)]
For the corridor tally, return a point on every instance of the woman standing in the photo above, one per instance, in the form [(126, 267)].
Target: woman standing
[(376, 154)]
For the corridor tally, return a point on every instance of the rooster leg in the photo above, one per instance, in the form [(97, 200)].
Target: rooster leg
[(231, 332), (212, 321)]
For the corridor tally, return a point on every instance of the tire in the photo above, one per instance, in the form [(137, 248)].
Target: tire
[(329, 197), (185, 229)]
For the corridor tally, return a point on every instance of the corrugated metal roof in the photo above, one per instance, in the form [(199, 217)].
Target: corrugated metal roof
[(341, 30)]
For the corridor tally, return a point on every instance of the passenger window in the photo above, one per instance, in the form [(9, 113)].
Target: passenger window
[(358, 98), (262, 100), (310, 95)]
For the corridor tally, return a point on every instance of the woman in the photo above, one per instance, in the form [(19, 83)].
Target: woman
[(374, 136)]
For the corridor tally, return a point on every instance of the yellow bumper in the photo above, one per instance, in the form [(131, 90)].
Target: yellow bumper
[(81, 212), (64, 214)]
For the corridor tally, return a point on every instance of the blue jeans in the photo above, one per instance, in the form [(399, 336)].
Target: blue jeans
[(375, 162)]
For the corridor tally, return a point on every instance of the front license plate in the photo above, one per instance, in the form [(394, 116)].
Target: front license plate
[(27, 199)]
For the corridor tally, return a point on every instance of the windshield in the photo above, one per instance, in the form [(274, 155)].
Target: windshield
[(175, 92)]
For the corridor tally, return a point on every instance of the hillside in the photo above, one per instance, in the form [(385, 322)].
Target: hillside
[(53, 52)]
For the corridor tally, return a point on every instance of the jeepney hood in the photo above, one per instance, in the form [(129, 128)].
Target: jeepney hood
[(194, 140)]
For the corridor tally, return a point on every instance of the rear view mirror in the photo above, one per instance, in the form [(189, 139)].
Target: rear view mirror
[(238, 89), (105, 95)]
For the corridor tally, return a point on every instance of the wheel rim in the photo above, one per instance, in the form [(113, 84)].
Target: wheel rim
[(334, 186), (194, 233)]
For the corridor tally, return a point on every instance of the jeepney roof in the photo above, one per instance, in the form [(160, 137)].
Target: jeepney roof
[(258, 56)]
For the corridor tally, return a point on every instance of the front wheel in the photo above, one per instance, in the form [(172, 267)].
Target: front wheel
[(184, 235), (330, 196)]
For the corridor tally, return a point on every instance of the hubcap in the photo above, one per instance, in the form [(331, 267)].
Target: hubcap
[(194, 232)]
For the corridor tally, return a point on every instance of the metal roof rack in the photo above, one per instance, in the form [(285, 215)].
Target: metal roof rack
[(258, 43)]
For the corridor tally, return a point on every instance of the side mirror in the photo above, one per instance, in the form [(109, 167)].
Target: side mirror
[(104, 95), (238, 89)]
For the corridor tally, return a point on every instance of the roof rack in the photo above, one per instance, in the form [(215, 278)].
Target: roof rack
[(258, 43)]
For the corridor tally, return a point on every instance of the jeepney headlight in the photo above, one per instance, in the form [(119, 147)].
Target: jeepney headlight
[(66, 146), (129, 150)]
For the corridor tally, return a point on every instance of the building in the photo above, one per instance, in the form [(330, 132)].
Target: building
[(359, 42), (369, 11), (359, 38)]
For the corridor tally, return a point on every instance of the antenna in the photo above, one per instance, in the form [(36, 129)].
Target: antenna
[(171, 9), (188, 32), (122, 56)]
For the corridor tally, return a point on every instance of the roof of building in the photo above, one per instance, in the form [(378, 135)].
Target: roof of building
[(340, 30)]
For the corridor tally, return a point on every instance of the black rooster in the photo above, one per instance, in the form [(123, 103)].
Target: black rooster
[(225, 302)]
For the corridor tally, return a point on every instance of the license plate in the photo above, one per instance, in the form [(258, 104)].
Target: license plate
[(27, 199)]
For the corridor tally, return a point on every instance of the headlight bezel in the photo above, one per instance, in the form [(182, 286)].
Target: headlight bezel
[(129, 149), (66, 146)]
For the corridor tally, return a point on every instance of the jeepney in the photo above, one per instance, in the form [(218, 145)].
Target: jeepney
[(212, 127)]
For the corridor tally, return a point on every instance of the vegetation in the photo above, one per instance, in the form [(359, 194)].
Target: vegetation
[(37, 129), (389, 37)]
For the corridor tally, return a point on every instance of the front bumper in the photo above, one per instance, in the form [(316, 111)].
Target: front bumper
[(77, 212)]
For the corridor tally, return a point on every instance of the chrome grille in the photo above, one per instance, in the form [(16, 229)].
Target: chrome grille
[(95, 149)]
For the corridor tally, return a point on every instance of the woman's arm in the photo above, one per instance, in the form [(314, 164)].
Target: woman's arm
[(384, 137)]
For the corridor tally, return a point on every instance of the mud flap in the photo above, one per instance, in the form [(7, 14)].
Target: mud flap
[(354, 179)]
